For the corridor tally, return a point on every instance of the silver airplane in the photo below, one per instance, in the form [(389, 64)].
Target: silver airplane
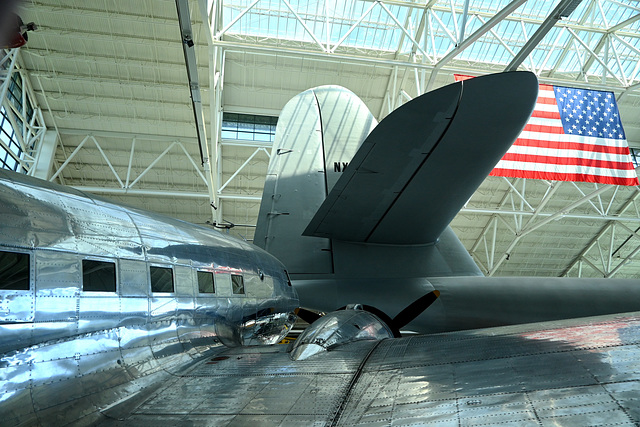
[(135, 353), (99, 302)]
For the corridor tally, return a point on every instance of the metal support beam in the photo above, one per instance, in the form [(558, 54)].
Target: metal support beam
[(236, 19), (7, 66), (353, 27), (495, 20), (403, 29), (162, 193), (617, 219), (562, 10), (307, 29), (588, 49), (463, 25), (188, 47), (246, 162)]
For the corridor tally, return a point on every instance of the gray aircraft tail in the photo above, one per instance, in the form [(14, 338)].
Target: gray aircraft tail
[(339, 183), (318, 133)]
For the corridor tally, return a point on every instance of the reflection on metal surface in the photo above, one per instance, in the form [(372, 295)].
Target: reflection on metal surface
[(553, 374), (70, 347), (339, 328)]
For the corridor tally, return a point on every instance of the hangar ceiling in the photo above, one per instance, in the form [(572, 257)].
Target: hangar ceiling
[(112, 102)]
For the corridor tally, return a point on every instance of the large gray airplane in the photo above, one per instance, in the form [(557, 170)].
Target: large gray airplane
[(359, 211), (114, 316)]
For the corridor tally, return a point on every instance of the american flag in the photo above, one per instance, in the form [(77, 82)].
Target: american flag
[(572, 135)]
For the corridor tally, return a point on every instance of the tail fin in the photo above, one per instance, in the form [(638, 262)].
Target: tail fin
[(318, 133), (407, 179)]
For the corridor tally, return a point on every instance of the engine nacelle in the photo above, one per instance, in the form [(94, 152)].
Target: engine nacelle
[(339, 328)]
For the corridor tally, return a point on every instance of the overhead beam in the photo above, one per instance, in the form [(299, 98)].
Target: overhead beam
[(487, 26), (489, 211), (162, 193), (126, 135), (188, 47), (7, 66), (338, 58), (564, 9), (624, 24)]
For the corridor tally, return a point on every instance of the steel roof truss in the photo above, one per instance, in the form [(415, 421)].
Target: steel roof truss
[(307, 29), (563, 9), (513, 196), (220, 33), (127, 185), (353, 27), (486, 26)]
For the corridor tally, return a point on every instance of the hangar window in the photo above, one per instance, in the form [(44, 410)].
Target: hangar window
[(14, 271), (205, 282), (237, 284), (635, 156), (98, 276), (161, 279), (10, 150), (248, 127), (17, 116)]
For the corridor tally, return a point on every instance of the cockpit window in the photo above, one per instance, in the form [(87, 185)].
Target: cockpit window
[(14, 271), (161, 279), (205, 282), (98, 276), (237, 283)]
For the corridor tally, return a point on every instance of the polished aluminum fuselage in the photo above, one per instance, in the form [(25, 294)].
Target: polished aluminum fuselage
[(67, 353)]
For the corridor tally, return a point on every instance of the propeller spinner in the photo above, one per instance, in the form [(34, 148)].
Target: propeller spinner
[(354, 322)]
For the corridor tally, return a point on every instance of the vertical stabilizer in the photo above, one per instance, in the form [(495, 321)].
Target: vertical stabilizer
[(317, 135)]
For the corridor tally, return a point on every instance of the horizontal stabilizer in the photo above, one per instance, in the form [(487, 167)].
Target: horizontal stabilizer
[(420, 165)]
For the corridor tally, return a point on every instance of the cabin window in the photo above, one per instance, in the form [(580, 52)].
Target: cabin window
[(161, 279), (205, 282), (14, 271), (237, 284), (98, 276)]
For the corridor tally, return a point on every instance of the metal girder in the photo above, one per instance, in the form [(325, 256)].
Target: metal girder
[(339, 58), (603, 252), (523, 217), (391, 98), (623, 24), (127, 135), (507, 212), (163, 193), (307, 29), (565, 7), (353, 27), (246, 162), (595, 56), (129, 181), (567, 47), (487, 26), (609, 228), (596, 51), (7, 66), (30, 131), (562, 10), (188, 47)]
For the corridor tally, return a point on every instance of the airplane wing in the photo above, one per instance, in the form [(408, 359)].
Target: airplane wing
[(573, 372), (419, 166)]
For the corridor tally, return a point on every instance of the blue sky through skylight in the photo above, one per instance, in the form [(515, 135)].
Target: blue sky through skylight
[(377, 33)]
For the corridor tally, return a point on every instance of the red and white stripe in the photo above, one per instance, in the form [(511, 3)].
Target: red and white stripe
[(544, 151)]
